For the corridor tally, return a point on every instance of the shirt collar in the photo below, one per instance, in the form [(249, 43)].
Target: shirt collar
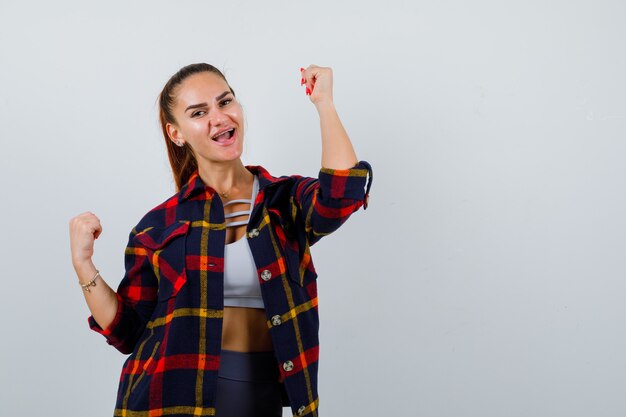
[(195, 185)]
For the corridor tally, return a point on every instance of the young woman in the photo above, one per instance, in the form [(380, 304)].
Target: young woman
[(218, 305)]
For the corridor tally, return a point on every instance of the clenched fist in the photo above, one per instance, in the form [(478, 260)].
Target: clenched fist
[(84, 230), (319, 83)]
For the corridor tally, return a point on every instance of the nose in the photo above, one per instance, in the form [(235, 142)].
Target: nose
[(217, 117)]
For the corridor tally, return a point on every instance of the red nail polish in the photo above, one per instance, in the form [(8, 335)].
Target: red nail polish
[(302, 81), (308, 92), (301, 69)]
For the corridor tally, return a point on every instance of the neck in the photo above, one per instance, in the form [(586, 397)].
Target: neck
[(226, 177)]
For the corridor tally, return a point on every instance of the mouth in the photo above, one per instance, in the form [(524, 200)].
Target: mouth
[(224, 136)]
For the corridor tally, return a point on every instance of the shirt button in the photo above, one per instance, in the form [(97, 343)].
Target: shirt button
[(301, 410), (266, 275), (288, 366), (276, 321), (253, 233)]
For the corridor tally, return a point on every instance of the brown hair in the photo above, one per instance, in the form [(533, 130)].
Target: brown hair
[(182, 159)]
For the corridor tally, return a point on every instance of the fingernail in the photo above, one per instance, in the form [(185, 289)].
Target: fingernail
[(301, 69), (308, 92), (302, 81)]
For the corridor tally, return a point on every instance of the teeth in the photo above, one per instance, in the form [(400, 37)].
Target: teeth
[(221, 133)]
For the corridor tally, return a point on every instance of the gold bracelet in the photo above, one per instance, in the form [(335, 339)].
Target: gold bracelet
[(91, 283)]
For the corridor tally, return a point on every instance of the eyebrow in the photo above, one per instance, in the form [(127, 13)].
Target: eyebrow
[(218, 98)]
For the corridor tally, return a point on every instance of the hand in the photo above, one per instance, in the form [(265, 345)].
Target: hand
[(84, 229), (319, 83)]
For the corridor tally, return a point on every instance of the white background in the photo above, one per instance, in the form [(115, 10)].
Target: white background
[(485, 279)]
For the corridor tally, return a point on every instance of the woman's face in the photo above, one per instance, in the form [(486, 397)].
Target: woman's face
[(209, 118)]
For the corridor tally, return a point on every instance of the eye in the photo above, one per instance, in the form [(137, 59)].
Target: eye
[(226, 102), (198, 113)]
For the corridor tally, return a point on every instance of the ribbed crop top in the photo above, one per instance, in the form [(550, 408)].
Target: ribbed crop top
[(241, 284)]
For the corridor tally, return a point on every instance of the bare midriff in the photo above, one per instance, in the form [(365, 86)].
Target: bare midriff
[(244, 329)]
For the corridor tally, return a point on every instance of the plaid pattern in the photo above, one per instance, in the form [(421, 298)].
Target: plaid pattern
[(171, 297)]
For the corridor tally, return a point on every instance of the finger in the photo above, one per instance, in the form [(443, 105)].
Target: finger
[(312, 73), (310, 82), (98, 230), (91, 224), (305, 81), (315, 72), (88, 215)]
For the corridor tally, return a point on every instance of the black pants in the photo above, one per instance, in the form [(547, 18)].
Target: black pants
[(247, 385)]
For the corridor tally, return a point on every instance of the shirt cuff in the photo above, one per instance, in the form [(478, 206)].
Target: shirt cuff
[(109, 332), (352, 183)]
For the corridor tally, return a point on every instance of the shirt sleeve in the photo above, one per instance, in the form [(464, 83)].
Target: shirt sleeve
[(136, 296), (326, 202)]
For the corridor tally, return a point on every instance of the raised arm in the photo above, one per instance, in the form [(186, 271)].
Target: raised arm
[(343, 182), (119, 316), (100, 298), (337, 150)]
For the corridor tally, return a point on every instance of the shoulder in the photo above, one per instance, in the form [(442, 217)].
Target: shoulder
[(271, 183), (266, 179), (159, 216)]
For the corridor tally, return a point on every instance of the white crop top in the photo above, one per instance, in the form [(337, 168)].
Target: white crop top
[(241, 283)]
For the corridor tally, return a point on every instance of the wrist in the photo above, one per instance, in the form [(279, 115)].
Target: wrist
[(85, 266), (91, 282), (325, 105)]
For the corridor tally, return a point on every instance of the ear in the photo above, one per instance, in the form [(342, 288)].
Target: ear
[(173, 132)]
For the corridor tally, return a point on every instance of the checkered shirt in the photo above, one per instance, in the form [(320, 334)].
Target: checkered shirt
[(171, 304)]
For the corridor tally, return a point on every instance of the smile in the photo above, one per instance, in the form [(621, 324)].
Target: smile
[(225, 138)]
